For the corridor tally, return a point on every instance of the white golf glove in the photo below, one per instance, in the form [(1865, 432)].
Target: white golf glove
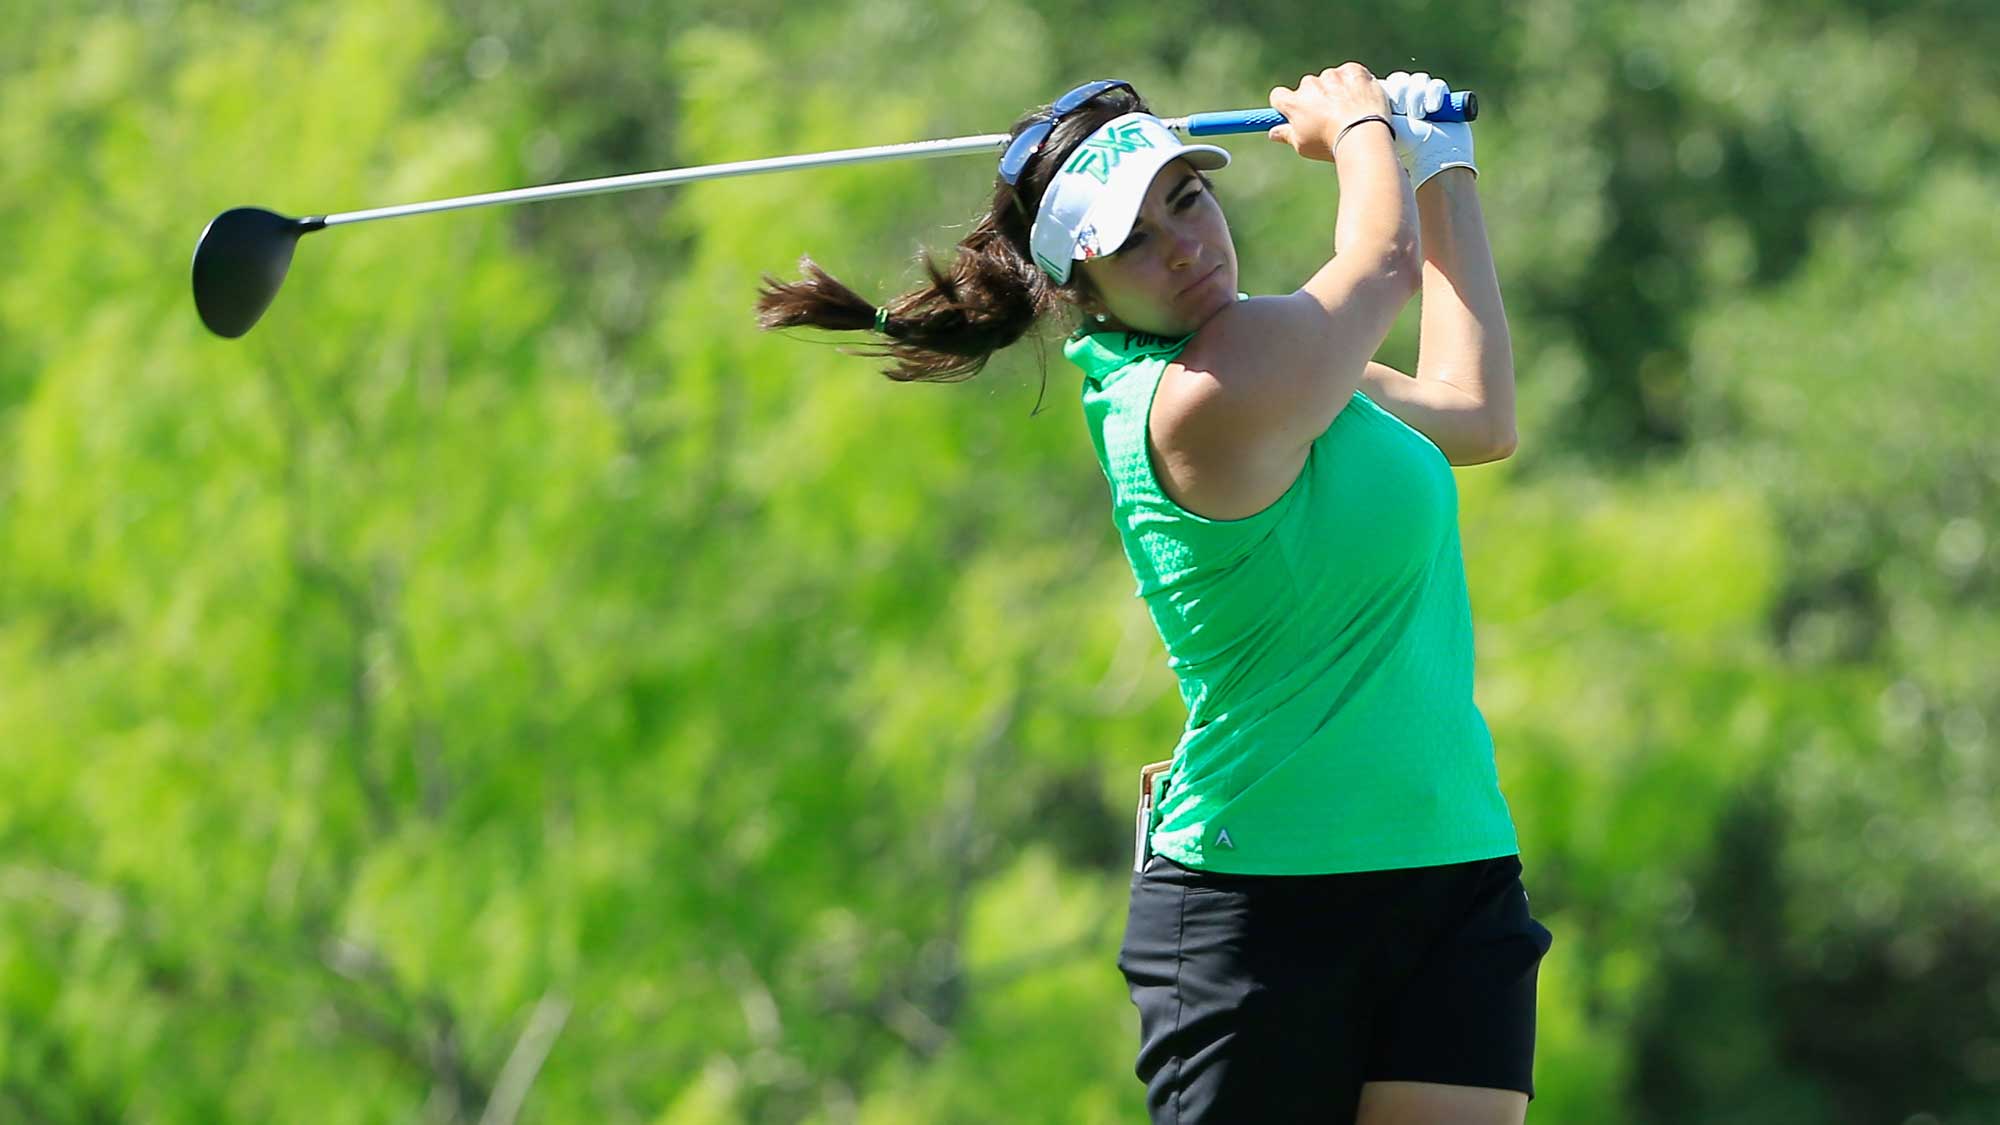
[(1426, 147)]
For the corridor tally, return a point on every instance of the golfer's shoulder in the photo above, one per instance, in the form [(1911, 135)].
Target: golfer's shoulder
[(1238, 369), (1218, 424)]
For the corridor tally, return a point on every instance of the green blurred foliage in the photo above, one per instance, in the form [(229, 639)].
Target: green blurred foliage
[(507, 686)]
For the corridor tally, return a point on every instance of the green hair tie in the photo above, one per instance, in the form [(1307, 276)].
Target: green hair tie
[(882, 320)]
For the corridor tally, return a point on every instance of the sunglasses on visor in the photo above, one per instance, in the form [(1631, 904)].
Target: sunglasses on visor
[(1024, 146)]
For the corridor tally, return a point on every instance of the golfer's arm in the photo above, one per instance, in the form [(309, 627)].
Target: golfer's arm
[(1319, 352), (1463, 395), (1271, 375)]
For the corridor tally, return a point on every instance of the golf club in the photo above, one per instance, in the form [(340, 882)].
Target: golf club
[(241, 258)]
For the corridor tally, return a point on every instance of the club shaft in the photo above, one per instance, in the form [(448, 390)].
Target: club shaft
[(907, 151)]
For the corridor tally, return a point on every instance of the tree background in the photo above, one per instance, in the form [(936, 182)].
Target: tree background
[(507, 686)]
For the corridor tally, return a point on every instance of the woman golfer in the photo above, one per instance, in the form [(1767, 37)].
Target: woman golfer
[(1328, 921)]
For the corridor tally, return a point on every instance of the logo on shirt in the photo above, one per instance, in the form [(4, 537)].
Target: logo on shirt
[(1137, 340), (1222, 838)]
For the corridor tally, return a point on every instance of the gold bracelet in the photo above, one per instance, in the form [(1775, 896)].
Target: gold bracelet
[(1342, 135)]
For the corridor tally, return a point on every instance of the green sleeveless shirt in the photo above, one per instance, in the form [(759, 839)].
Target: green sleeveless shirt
[(1323, 645)]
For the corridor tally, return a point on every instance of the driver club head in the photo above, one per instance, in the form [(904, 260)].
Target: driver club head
[(239, 264)]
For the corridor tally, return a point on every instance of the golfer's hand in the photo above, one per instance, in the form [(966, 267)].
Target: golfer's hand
[(1323, 104), (1426, 147)]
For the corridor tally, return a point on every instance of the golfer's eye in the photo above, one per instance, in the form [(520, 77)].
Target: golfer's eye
[(1138, 236)]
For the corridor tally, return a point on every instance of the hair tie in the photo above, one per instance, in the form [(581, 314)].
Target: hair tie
[(882, 320)]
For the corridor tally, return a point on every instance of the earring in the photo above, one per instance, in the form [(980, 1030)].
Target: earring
[(1100, 318)]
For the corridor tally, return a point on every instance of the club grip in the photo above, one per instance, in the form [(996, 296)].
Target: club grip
[(1460, 105)]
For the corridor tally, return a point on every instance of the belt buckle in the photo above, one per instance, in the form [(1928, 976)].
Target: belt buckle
[(1142, 839)]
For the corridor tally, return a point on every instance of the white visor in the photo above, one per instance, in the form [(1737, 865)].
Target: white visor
[(1091, 204)]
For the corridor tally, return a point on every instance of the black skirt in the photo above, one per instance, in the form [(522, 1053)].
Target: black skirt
[(1275, 997)]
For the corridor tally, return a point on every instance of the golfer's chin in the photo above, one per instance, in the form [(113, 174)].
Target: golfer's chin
[(1184, 312), (1206, 298)]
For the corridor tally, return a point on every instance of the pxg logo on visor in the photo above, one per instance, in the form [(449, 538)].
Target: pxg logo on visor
[(1097, 156)]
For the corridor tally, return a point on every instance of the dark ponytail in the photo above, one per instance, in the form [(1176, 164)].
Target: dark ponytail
[(945, 330)]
